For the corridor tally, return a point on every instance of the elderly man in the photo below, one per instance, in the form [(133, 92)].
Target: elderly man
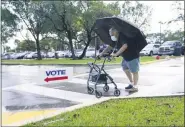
[(127, 50)]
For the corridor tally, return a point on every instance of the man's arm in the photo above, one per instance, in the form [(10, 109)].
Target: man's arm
[(121, 50)]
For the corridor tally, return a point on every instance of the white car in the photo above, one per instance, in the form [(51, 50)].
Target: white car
[(91, 52), (150, 50), (61, 54), (68, 54), (50, 55), (78, 52)]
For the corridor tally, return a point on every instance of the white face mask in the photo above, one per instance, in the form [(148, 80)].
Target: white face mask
[(113, 38)]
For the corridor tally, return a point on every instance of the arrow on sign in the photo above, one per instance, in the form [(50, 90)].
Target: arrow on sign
[(55, 78)]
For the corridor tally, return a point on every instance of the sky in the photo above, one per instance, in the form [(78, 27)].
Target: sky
[(162, 11)]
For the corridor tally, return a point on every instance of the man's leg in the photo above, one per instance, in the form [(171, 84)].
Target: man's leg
[(134, 68), (135, 78), (127, 71), (129, 75)]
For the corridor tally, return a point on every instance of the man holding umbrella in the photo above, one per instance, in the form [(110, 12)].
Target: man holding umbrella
[(127, 49)]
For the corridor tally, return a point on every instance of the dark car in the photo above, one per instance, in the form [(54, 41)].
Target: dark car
[(6, 56), (30, 55), (171, 48), (21, 55)]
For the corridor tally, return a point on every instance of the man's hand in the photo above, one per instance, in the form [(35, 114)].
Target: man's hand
[(114, 55), (121, 50)]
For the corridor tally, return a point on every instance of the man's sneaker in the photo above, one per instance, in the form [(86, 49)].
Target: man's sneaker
[(131, 88)]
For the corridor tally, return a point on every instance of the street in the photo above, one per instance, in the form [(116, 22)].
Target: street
[(24, 94)]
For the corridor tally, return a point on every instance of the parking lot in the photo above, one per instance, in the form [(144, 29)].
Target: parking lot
[(175, 48), (47, 55)]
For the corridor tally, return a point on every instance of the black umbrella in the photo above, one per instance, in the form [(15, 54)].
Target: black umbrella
[(102, 26)]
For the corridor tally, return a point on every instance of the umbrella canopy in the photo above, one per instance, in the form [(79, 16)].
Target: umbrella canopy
[(102, 26)]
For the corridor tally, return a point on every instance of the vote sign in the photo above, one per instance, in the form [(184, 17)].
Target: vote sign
[(58, 75)]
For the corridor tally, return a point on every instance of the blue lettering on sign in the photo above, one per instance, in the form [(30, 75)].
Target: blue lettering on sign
[(56, 72)]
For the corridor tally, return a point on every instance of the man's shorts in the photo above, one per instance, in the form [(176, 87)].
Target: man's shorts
[(132, 65)]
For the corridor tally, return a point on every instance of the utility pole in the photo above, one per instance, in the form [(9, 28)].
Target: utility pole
[(161, 23), (160, 31)]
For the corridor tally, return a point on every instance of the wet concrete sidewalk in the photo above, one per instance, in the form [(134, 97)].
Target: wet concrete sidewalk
[(30, 101)]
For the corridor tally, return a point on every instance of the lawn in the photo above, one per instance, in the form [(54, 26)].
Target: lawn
[(158, 111), (69, 61)]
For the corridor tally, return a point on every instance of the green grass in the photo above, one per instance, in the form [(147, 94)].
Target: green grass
[(158, 111), (69, 61)]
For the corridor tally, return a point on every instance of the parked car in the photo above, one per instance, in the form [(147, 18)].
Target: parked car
[(50, 55), (78, 52), (30, 55), (67, 54), (150, 50), (25, 57), (35, 55), (43, 54), (91, 52), (13, 56), (171, 48), (21, 55), (61, 54), (6, 56)]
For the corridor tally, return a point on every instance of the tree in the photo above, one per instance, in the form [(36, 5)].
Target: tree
[(16, 42), (179, 8), (63, 16), (7, 48), (177, 35), (49, 42), (26, 45), (59, 40), (137, 13), (9, 23), (29, 14), (155, 37), (90, 11), (62, 42), (166, 36)]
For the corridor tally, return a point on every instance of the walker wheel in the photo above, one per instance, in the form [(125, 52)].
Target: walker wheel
[(117, 92), (106, 88), (98, 94), (90, 90)]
